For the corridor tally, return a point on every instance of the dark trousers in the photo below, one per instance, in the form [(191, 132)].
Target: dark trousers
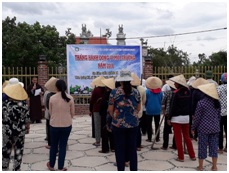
[(93, 126), (223, 128), (126, 147), (139, 138), (107, 140), (16, 143), (149, 126), (142, 123), (59, 137), (48, 131), (166, 132)]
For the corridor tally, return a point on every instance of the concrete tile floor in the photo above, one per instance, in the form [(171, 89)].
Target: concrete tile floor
[(83, 156)]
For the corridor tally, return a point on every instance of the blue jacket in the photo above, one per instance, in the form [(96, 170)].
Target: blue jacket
[(153, 103)]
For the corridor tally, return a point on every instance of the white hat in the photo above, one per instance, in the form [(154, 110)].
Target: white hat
[(153, 82), (136, 81), (15, 81), (191, 80), (210, 90), (50, 85), (15, 91), (180, 79), (124, 75)]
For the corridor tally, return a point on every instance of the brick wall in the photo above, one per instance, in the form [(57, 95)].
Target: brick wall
[(147, 69), (42, 72)]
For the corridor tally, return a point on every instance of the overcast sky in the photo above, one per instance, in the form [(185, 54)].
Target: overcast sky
[(145, 19)]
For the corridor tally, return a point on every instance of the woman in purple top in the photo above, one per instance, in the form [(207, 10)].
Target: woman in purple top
[(207, 123)]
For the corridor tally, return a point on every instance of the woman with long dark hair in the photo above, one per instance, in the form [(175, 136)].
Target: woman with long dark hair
[(62, 110), (124, 103)]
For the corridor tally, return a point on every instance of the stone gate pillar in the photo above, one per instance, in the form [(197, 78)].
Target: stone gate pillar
[(42, 70), (147, 67), (146, 60)]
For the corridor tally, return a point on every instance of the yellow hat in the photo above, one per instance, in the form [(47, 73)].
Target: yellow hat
[(171, 84), (153, 82), (210, 90), (97, 81), (180, 79), (6, 82), (50, 85), (136, 81), (16, 92), (110, 82), (198, 82)]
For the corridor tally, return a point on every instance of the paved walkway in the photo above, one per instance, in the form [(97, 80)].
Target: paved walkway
[(83, 156)]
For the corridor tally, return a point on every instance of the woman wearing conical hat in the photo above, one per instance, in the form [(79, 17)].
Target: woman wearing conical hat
[(167, 95), (15, 124), (94, 107), (197, 95), (106, 132), (179, 116), (154, 97), (51, 89), (207, 123)]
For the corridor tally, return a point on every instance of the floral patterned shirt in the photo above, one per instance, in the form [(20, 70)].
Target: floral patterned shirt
[(125, 115), (15, 115)]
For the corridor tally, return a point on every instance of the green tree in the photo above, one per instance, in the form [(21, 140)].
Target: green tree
[(172, 57), (23, 43), (215, 59)]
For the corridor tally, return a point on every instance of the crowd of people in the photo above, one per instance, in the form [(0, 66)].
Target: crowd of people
[(122, 110)]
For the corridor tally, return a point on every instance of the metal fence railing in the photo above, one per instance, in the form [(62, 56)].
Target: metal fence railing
[(25, 75), (197, 71)]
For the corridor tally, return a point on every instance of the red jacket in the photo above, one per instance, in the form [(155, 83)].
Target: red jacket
[(96, 97)]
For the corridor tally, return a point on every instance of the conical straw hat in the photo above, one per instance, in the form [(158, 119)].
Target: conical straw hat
[(198, 82), (50, 85), (180, 79), (153, 82), (97, 81), (110, 82), (170, 83), (136, 81), (15, 91), (210, 90), (6, 82)]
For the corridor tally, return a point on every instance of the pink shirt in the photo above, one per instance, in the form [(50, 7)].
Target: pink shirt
[(61, 111)]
